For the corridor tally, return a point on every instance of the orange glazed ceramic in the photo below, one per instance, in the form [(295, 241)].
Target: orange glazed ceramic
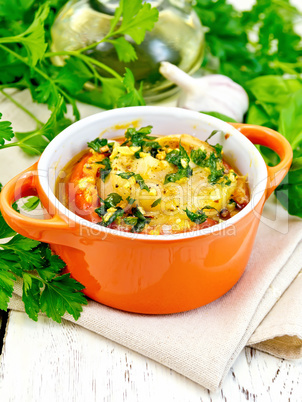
[(151, 274)]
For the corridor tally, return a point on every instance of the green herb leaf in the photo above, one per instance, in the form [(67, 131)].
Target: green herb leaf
[(140, 181), (290, 124), (124, 50), (97, 144), (133, 96), (60, 295), (31, 204), (6, 131), (220, 116), (180, 174), (155, 203), (34, 37), (179, 158), (142, 221), (112, 200), (198, 156), (130, 200), (137, 19), (198, 217), (119, 212), (138, 178), (43, 290), (104, 171), (31, 295), (131, 220), (126, 175)]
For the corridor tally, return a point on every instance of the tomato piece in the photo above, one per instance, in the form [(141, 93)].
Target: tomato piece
[(81, 192)]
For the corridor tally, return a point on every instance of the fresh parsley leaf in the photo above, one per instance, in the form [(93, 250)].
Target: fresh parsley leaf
[(31, 204), (7, 281), (137, 19), (125, 51), (31, 296), (43, 288), (62, 294), (34, 37), (198, 217), (33, 143), (133, 96), (6, 131), (73, 67), (290, 123)]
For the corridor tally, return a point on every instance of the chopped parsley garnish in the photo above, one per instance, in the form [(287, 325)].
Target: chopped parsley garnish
[(100, 143), (110, 202), (131, 220), (138, 178), (126, 175), (198, 217), (199, 157), (119, 212), (140, 138), (130, 200), (181, 160), (155, 203), (180, 174), (137, 138), (104, 171), (138, 221)]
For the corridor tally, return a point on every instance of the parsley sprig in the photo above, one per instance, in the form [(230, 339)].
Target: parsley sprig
[(25, 63), (45, 288), (138, 178)]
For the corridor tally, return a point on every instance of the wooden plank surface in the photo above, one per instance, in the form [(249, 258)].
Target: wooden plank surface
[(52, 362)]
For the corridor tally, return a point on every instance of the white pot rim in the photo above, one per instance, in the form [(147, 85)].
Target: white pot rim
[(69, 135)]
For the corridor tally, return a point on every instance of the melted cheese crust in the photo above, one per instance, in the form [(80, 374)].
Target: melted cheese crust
[(194, 193)]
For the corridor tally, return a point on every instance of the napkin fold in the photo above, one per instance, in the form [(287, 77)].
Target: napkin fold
[(262, 310)]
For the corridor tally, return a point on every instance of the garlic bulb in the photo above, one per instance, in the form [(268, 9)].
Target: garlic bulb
[(211, 93)]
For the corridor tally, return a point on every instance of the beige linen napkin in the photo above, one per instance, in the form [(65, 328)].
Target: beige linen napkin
[(203, 344)]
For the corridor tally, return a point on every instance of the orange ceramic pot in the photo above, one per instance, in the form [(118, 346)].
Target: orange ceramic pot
[(147, 273)]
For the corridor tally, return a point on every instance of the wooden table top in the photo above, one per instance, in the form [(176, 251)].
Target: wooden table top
[(46, 361)]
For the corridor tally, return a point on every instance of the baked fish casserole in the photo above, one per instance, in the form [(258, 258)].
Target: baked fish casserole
[(152, 184)]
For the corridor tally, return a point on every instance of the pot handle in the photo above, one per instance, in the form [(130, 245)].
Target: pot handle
[(275, 141), (23, 185)]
